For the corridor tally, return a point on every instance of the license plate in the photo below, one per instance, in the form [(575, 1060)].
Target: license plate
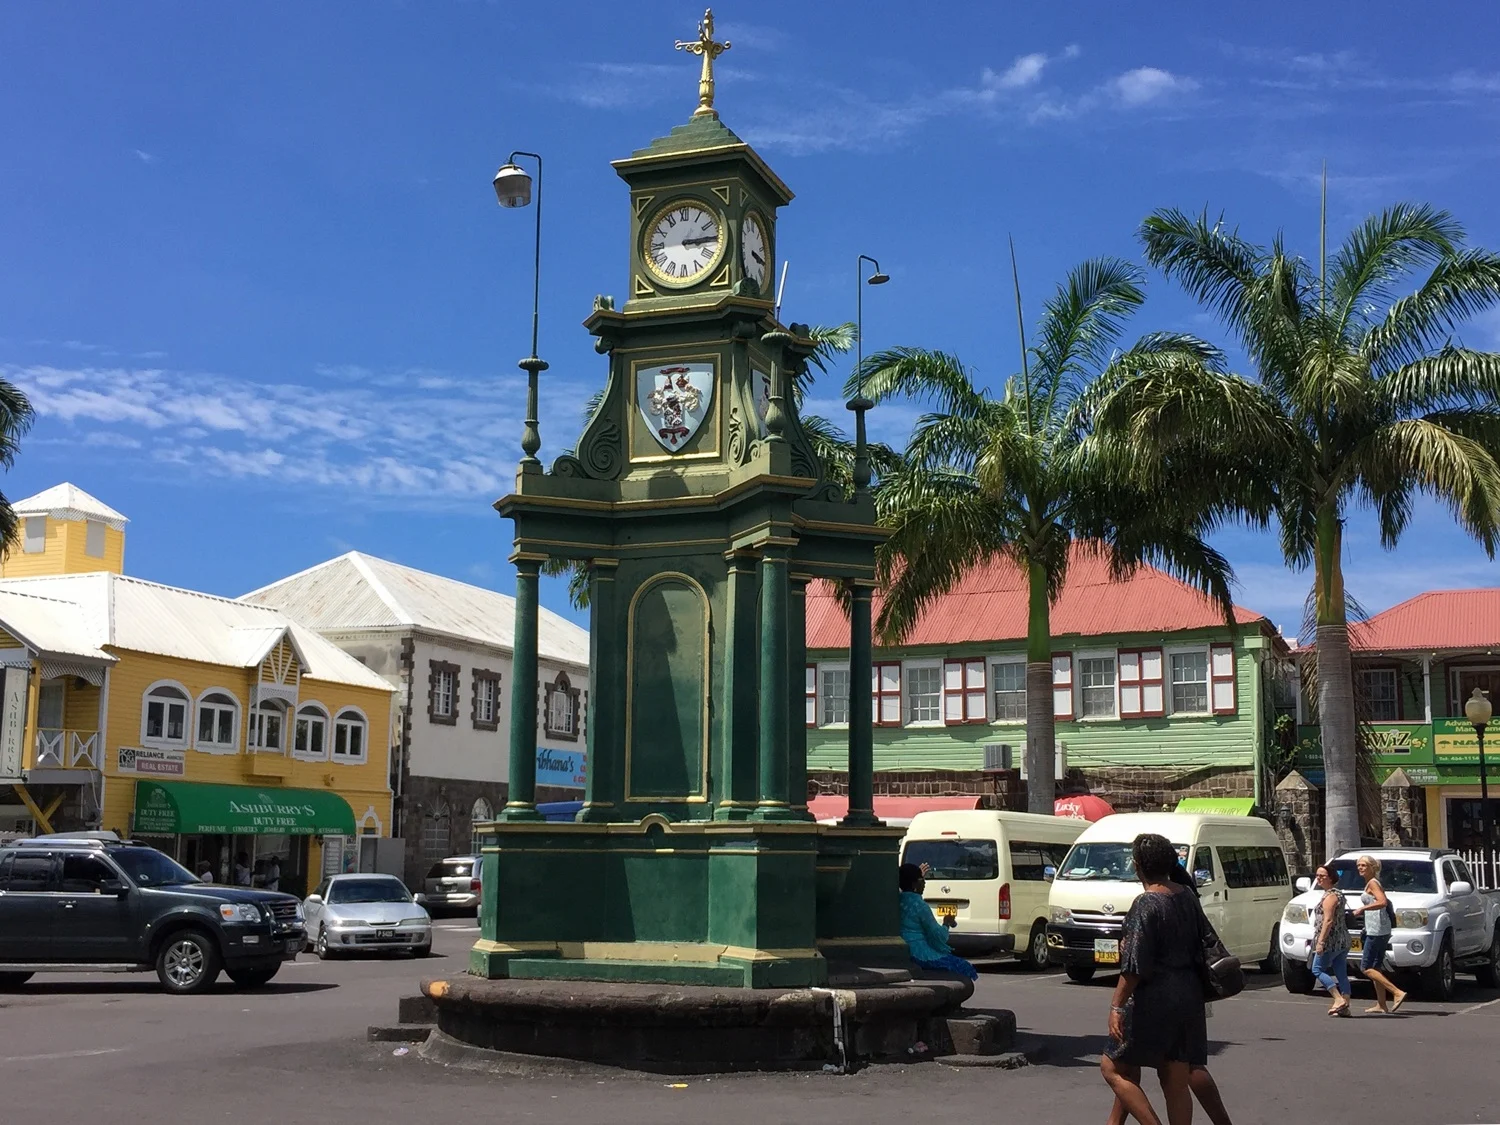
[(382, 935), (1107, 951), (945, 911), (1356, 945)]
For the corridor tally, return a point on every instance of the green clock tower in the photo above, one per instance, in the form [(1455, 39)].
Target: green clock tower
[(701, 513)]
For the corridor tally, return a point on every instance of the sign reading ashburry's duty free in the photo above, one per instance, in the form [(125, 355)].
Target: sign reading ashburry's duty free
[(171, 808)]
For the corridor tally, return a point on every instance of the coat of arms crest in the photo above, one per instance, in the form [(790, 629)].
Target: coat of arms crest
[(674, 400)]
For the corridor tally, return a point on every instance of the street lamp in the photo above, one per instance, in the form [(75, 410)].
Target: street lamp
[(1478, 709), (859, 403), (512, 186)]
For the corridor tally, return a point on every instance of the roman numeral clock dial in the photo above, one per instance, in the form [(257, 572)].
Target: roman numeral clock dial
[(683, 242)]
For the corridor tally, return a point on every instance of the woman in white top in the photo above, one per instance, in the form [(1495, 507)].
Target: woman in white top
[(1375, 909)]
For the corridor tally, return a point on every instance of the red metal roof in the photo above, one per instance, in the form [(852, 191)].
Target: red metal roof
[(990, 604), (1436, 620), (834, 806)]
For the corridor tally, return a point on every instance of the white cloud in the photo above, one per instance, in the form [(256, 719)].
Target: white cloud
[(144, 157), (1147, 84), (1025, 71)]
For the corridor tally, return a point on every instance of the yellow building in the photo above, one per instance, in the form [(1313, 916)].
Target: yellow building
[(219, 731)]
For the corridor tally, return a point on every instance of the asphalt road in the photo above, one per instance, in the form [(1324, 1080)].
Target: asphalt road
[(81, 1049)]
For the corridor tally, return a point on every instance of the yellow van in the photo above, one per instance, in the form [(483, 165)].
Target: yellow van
[(988, 876), (1236, 861)]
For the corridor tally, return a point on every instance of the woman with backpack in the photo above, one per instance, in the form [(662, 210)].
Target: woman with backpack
[(1330, 960), (1379, 917)]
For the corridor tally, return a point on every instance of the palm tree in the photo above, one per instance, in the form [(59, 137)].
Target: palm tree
[(1360, 396), (15, 419), (1024, 477)]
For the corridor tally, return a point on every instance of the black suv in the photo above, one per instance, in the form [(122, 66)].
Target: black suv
[(79, 905)]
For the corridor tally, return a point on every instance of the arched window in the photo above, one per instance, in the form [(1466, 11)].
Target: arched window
[(164, 717), (560, 718), (481, 812), (218, 722), (310, 735), (436, 825), (349, 730), (267, 722)]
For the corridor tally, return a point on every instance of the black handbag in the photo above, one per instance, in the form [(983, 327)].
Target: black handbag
[(1222, 973)]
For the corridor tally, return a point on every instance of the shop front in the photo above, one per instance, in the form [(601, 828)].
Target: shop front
[(279, 839)]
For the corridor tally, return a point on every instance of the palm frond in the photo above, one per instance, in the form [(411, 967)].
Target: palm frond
[(1383, 249), (1452, 377), (1217, 267), (932, 376), (1459, 287), (1080, 325), (1451, 467)]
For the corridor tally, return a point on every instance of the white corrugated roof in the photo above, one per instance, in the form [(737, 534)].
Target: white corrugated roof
[(357, 591), (127, 613), (49, 626), (69, 502)]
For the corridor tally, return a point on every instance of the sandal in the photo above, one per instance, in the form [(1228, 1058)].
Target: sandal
[(1396, 1007), (1339, 1010), (1374, 1009)]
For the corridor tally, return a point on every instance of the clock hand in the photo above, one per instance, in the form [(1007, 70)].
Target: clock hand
[(700, 241), (758, 259)]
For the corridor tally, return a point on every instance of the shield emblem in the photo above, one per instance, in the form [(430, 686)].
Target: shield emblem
[(674, 400)]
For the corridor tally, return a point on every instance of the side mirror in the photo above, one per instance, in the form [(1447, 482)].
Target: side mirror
[(117, 887), (1460, 888), (314, 899), (1049, 873), (1304, 884), (1203, 878)]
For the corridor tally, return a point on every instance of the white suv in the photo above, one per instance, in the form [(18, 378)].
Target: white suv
[(1444, 924)]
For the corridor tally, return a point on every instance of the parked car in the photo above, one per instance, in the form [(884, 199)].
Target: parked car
[(987, 878), (1444, 923), (452, 884), (1236, 861), (365, 914), (78, 904)]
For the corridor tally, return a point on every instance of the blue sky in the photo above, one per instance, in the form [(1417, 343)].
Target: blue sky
[(256, 281)]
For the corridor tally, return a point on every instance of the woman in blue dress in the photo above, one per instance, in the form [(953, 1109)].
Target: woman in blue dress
[(926, 938)]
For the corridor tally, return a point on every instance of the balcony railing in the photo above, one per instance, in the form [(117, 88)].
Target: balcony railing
[(67, 749)]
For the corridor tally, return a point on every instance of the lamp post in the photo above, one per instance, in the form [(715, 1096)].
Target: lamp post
[(859, 403), (513, 189), (1478, 710)]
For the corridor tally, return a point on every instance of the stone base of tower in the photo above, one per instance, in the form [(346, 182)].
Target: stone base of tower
[(710, 903)]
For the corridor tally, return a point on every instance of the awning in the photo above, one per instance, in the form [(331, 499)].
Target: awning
[(1221, 806), (834, 806), (170, 808)]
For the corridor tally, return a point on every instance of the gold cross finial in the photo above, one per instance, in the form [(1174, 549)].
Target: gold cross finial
[(704, 45)]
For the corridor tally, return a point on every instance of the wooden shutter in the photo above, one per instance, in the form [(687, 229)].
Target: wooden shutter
[(1221, 685), (885, 688), (963, 692), (1153, 683), (974, 701), (1062, 685), (812, 695), (1129, 666)]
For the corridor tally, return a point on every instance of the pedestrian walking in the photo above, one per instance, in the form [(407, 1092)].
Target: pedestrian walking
[(1158, 1017), (1378, 915), (1330, 962)]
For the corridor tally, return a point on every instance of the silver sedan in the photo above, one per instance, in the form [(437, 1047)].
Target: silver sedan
[(365, 913)]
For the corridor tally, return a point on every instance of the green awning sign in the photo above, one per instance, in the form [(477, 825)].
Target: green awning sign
[(1218, 806), (171, 808)]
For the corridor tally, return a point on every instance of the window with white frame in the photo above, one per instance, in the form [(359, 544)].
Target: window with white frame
[(484, 711), (349, 736), (963, 691), (810, 693), (310, 735), (924, 693), (1096, 678), (1378, 694), (563, 701), (442, 692), (34, 540), (1189, 682), (1008, 691), (218, 722), (166, 715), (264, 729), (833, 695)]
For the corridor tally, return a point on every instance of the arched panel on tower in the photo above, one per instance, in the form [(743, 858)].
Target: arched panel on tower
[(666, 708)]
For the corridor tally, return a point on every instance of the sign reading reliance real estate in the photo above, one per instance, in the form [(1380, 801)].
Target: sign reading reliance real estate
[(153, 762)]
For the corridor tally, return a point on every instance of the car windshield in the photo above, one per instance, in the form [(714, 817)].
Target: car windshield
[(1414, 876), (148, 867), (451, 868), (954, 859), (1106, 861), (368, 890)]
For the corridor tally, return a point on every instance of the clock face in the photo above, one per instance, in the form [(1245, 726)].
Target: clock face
[(754, 256), (683, 242)]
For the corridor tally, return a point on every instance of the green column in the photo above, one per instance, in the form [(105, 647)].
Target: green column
[(738, 725), (773, 803), (601, 795), (796, 655), (520, 804), (861, 720)]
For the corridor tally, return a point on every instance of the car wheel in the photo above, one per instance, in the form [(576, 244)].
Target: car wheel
[(1439, 978), (1081, 973), (1037, 955), (253, 978), (320, 947), (14, 980), (1272, 961), (1489, 973), (187, 962), (1296, 976)]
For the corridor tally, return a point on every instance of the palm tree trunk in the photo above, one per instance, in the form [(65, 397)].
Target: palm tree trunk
[(1041, 737), (1336, 718)]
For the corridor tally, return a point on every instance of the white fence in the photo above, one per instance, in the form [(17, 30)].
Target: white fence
[(67, 749), (1481, 870)]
